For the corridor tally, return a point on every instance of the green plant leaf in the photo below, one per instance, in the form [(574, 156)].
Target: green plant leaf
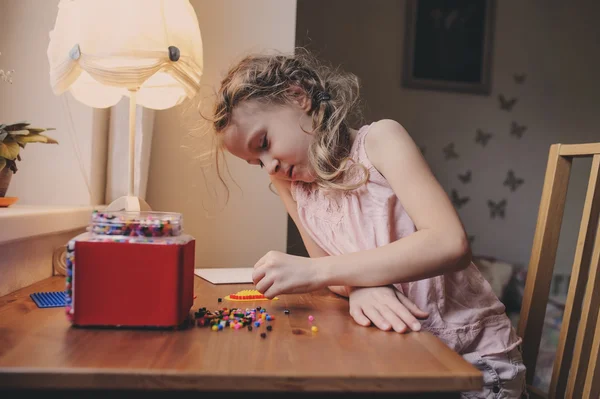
[(2, 163), (39, 129), (19, 132), (16, 126), (9, 149), (35, 138)]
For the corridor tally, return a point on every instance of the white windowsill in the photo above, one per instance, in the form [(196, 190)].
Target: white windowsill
[(24, 221)]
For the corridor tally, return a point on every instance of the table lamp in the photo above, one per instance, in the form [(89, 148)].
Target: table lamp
[(148, 50)]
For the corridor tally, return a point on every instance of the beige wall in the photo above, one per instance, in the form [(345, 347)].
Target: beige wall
[(254, 220), (554, 42), (48, 174)]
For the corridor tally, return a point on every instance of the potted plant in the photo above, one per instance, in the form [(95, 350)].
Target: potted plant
[(13, 138)]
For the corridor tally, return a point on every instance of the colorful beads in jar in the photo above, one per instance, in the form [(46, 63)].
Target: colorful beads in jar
[(136, 224)]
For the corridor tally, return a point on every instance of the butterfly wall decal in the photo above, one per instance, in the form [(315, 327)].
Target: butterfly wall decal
[(466, 177), (520, 78), (506, 104), (513, 181), (482, 137), (517, 130), (458, 201), (450, 152), (497, 208)]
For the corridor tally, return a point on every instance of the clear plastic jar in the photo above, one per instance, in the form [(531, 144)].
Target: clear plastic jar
[(136, 224), (136, 227)]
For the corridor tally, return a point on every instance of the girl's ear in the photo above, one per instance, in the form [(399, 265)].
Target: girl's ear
[(300, 97)]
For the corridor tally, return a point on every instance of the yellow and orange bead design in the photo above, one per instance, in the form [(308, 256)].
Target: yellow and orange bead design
[(247, 295)]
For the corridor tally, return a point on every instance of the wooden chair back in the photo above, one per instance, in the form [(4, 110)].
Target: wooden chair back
[(576, 372)]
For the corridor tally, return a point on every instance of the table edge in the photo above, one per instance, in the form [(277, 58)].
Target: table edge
[(168, 379)]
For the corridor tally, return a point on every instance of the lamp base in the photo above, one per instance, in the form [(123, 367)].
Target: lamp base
[(128, 203)]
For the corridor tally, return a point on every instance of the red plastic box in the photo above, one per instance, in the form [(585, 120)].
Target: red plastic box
[(130, 275)]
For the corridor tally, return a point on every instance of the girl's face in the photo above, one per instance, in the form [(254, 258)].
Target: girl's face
[(272, 136)]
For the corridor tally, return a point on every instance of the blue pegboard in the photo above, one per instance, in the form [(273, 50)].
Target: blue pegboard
[(49, 299)]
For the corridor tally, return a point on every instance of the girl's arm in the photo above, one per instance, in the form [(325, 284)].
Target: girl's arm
[(438, 246), (385, 307), (284, 190)]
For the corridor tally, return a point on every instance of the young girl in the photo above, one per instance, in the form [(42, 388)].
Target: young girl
[(377, 225)]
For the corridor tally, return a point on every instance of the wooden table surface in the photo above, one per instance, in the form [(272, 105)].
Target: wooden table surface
[(39, 349)]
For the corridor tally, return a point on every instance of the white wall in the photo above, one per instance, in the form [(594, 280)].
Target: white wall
[(554, 42), (48, 174), (254, 220)]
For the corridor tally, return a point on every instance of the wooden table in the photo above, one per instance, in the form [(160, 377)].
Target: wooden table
[(39, 349)]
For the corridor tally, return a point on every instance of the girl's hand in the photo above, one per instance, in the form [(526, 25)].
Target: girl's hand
[(278, 273), (385, 307)]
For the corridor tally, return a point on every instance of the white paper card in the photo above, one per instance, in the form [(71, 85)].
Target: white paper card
[(239, 275)]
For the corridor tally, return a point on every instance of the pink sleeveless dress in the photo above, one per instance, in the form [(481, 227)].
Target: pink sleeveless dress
[(463, 310)]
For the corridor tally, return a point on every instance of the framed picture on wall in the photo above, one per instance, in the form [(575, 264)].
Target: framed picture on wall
[(448, 45)]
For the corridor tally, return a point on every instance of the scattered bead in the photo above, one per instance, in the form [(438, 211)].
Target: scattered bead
[(235, 318), (314, 329), (286, 311), (310, 318), (220, 300), (263, 335)]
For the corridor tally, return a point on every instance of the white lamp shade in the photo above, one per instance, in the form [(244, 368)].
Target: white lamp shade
[(101, 49)]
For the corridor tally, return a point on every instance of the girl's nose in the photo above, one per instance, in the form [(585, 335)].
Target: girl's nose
[(272, 166)]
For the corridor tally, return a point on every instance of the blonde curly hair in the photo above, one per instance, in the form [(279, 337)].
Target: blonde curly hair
[(334, 96)]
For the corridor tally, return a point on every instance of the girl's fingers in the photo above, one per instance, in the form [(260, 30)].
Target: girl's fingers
[(359, 317), (271, 292), (392, 317), (258, 274), (373, 314), (411, 306), (263, 285), (259, 263), (405, 315)]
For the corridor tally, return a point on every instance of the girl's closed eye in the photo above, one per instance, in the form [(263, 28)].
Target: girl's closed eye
[(264, 143)]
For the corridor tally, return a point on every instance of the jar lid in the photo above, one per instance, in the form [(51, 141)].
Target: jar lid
[(136, 224)]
